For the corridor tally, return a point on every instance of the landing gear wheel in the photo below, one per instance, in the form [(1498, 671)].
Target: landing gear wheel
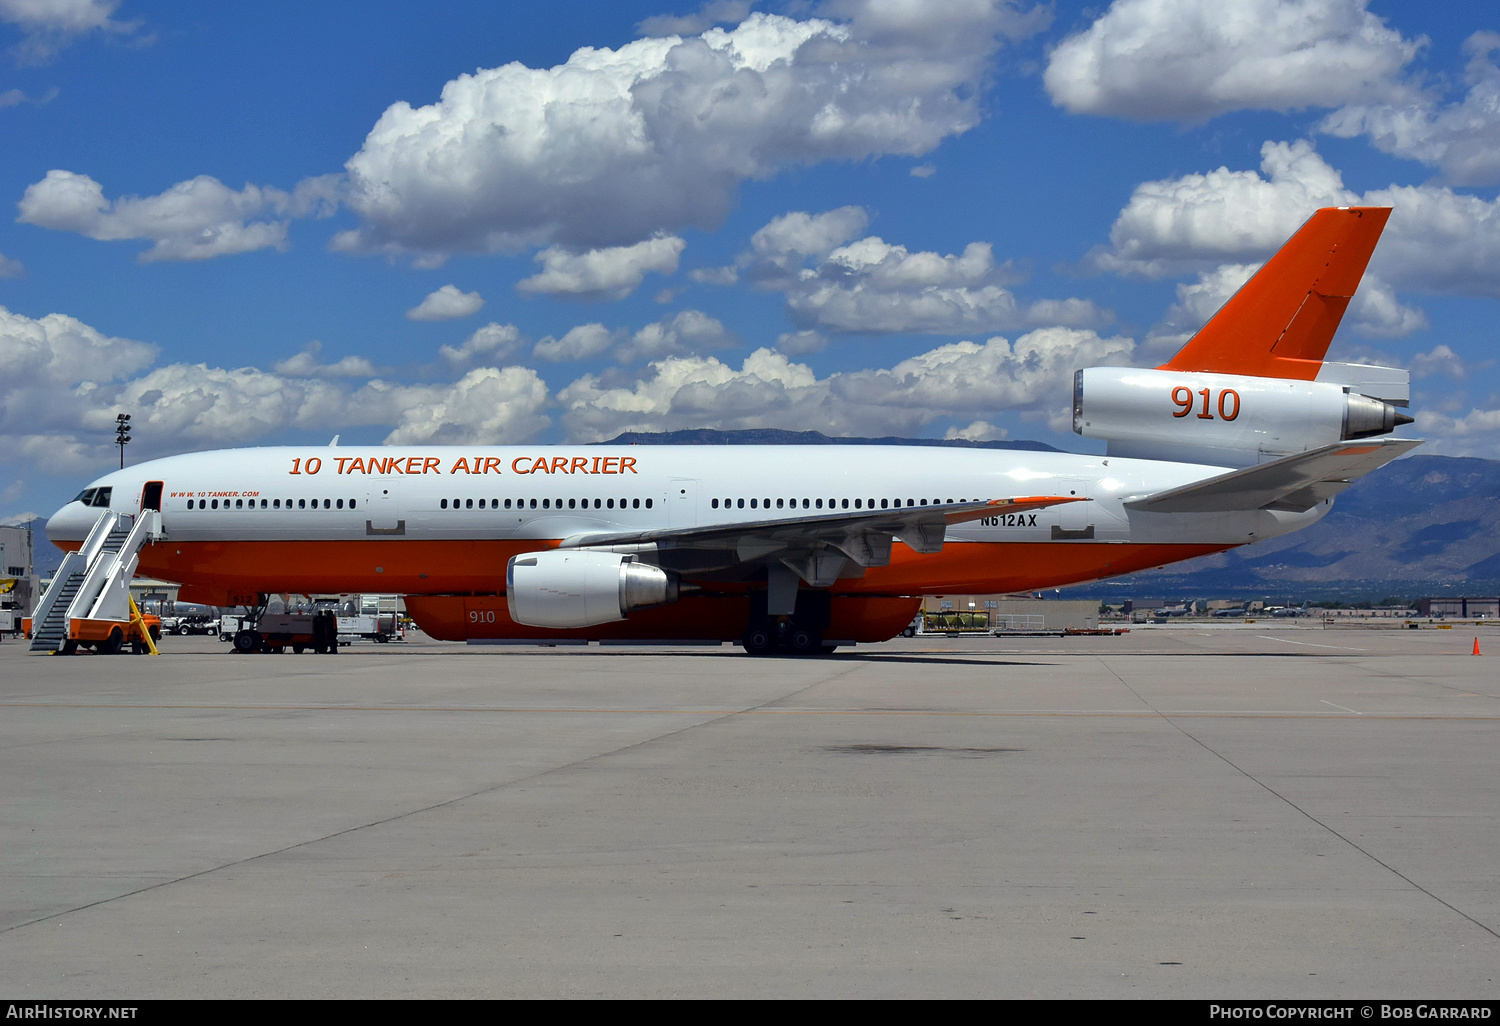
[(759, 640), (246, 641), (804, 642)]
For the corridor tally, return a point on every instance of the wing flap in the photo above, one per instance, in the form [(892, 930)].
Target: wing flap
[(921, 527), (1294, 483)]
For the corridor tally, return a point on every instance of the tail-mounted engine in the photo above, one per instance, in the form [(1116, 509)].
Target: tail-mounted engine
[(583, 587), (1232, 419)]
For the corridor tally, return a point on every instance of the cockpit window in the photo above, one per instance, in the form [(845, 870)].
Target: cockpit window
[(101, 497), (86, 496)]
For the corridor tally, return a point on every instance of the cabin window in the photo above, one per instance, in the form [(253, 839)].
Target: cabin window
[(341, 504), (609, 503), (442, 504), (190, 504), (714, 504), (533, 504), (468, 504), (635, 503), (481, 504), (648, 503)]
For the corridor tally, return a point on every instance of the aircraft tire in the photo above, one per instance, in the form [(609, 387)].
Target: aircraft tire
[(759, 640), (804, 641)]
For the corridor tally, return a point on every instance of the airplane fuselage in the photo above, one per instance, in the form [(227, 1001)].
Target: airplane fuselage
[(444, 521)]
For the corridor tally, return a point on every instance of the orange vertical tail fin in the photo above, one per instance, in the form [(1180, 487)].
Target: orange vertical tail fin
[(1280, 322)]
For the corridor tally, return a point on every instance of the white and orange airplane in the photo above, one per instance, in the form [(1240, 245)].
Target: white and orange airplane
[(1246, 434)]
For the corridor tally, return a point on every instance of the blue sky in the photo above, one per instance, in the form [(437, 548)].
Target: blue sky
[(274, 223)]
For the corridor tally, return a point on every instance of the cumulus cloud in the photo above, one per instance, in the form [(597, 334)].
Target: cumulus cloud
[(51, 25), (1184, 60), (1436, 241), (616, 146), (688, 332), (488, 405), (1375, 311), (494, 343), (979, 431), (305, 365), (14, 98), (1440, 360), (715, 12), (1177, 225), (796, 343), (65, 382), (964, 380), (578, 343), (870, 285), (60, 350), (612, 272), (193, 220), (446, 304), (1462, 139)]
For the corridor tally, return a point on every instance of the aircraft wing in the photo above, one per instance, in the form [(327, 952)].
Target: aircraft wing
[(816, 547), (1294, 483)]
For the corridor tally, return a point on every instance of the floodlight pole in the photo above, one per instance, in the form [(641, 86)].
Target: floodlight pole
[(122, 435)]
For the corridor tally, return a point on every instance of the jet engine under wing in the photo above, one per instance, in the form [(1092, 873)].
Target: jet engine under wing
[(1294, 483), (818, 548)]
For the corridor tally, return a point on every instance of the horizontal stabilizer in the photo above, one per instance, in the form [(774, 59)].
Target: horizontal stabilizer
[(1295, 483)]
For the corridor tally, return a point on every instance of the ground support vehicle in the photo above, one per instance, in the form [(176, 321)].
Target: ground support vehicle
[(381, 628), (276, 632)]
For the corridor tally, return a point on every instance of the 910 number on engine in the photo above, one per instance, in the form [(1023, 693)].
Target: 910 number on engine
[(1228, 403)]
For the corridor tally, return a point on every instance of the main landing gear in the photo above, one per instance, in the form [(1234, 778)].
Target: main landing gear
[(800, 634)]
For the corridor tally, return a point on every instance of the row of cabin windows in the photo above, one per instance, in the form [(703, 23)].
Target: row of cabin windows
[(545, 503), (270, 504), (832, 503)]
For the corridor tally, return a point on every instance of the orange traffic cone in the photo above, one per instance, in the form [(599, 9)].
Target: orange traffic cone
[(1476, 646)]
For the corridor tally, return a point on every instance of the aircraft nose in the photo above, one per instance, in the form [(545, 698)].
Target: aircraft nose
[(72, 524)]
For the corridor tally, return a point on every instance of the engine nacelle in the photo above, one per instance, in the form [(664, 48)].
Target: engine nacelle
[(582, 587), (1232, 419)]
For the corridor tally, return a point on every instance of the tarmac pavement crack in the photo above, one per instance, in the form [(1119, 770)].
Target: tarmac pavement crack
[(406, 814), (1167, 717)]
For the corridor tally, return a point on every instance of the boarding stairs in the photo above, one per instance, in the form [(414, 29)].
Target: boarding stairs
[(93, 583)]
